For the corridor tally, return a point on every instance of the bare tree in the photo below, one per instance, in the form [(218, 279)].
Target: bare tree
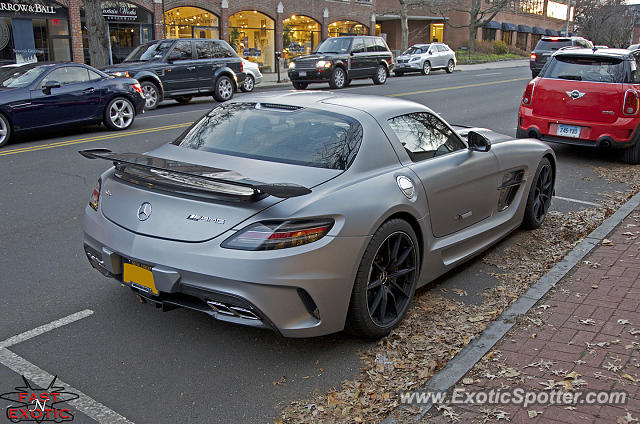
[(96, 33), (608, 22)]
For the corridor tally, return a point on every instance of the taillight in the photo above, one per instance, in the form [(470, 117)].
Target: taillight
[(241, 66), (533, 56), (271, 235), (527, 97), (631, 102), (95, 196), (137, 87)]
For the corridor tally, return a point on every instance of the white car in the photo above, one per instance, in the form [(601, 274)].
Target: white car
[(425, 57), (254, 77)]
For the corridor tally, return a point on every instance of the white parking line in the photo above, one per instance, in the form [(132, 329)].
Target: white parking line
[(584, 202), (85, 404)]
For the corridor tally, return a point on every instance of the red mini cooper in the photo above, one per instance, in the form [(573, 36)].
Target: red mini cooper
[(587, 97)]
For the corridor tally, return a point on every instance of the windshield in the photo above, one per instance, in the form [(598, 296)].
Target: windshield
[(552, 45), (416, 50), (149, 51), (334, 45), (277, 133), (20, 76), (597, 69)]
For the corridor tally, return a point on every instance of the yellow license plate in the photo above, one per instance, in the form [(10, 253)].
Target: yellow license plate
[(138, 275)]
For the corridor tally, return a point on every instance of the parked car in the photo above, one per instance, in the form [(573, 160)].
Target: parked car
[(40, 96), (425, 57), (243, 218), (253, 78), (586, 97), (182, 69), (548, 45), (339, 60)]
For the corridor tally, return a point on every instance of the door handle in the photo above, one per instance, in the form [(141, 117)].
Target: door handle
[(465, 215), (88, 91), (190, 68)]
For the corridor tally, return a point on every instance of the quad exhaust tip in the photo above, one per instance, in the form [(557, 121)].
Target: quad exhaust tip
[(232, 311)]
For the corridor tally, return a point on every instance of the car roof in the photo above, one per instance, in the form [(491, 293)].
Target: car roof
[(618, 53)]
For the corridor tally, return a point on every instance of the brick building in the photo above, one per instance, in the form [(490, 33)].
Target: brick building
[(53, 30)]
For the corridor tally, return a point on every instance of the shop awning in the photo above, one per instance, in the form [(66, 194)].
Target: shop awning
[(509, 27), (492, 25), (524, 28), (552, 32), (538, 30)]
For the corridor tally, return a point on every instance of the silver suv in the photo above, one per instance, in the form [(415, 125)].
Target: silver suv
[(425, 57)]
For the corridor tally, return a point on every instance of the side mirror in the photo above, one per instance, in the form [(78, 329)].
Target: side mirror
[(430, 51), (49, 85), (478, 142)]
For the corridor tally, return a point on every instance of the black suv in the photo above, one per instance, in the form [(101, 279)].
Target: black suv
[(548, 45), (181, 69), (338, 60)]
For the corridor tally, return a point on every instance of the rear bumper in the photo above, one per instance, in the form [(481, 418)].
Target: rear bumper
[(297, 292), (622, 133)]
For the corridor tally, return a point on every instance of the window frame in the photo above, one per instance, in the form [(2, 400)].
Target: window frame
[(45, 78), (175, 45)]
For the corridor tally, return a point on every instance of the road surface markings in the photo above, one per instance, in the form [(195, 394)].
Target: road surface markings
[(95, 138), (85, 404), (584, 202), (457, 87), (490, 73)]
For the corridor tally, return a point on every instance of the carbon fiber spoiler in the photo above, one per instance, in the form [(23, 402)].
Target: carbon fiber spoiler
[(195, 176)]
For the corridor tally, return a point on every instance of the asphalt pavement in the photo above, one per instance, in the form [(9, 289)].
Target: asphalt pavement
[(183, 366)]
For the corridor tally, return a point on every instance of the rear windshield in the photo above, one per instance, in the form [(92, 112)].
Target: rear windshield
[(552, 45), (597, 69), (277, 133)]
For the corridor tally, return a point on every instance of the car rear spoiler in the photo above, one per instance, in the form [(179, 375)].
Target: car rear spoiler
[(198, 177)]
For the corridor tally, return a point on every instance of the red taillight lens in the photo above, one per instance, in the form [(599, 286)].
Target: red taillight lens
[(241, 66), (533, 56), (527, 97), (631, 102), (271, 235), (137, 87), (95, 196)]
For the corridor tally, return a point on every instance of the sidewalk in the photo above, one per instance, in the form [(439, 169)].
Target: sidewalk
[(582, 336)]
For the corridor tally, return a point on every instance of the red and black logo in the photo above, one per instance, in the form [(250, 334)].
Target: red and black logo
[(39, 405)]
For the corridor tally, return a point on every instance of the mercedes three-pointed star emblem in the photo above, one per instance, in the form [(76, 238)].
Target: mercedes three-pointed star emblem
[(144, 211)]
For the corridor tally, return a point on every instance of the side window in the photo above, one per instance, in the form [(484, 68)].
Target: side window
[(357, 46), (94, 76), (635, 69), (203, 50), (181, 51), (441, 48), (67, 75), (370, 45), (424, 136), (380, 44), (219, 51)]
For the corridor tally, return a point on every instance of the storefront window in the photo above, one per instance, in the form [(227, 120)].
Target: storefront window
[(191, 22), (300, 35), (521, 41), (437, 32), (128, 26), (339, 28), (507, 37), (251, 34), (488, 34), (378, 29)]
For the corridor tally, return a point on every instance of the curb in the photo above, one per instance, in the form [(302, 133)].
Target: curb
[(474, 351)]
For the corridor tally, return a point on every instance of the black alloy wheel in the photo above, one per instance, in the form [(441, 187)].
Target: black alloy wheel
[(540, 195)]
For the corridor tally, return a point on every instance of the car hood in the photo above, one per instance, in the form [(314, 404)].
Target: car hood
[(322, 56)]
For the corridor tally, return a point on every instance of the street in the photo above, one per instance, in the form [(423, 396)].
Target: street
[(183, 366)]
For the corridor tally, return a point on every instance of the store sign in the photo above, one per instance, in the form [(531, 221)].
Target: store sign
[(121, 13), (252, 52), (27, 8)]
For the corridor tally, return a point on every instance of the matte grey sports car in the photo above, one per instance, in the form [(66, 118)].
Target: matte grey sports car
[(310, 213)]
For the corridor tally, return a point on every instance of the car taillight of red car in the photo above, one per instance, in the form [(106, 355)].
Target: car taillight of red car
[(137, 87), (527, 97), (631, 103)]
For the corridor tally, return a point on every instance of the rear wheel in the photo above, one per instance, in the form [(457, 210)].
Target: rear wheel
[(5, 131), (632, 154), (298, 85), (249, 84), (381, 75), (338, 78), (151, 94), (540, 194), (385, 282), (183, 100), (426, 68), (224, 89), (119, 114), (450, 66)]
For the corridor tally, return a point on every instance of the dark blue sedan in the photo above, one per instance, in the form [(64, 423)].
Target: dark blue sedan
[(40, 96)]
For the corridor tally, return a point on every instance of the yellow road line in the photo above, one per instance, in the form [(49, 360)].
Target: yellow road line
[(95, 138), (457, 87)]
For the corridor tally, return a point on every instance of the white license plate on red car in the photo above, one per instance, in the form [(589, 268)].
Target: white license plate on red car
[(568, 131)]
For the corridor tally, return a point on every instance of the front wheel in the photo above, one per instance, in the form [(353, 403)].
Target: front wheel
[(426, 68), (338, 78), (539, 198), (119, 114), (381, 75), (385, 281), (151, 95), (224, 89), (298, 85), (249, 84), (5, 131), (450, 66)]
